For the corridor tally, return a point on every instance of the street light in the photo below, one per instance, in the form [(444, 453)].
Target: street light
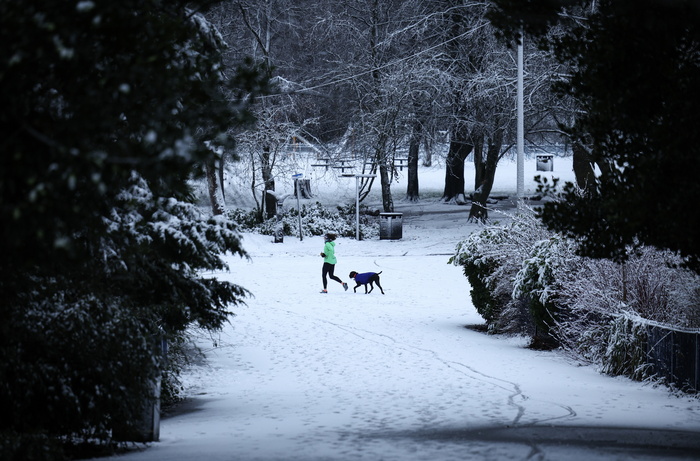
[(357, 198), (520, 138)]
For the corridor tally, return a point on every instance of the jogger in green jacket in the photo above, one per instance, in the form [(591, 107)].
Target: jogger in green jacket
[(329, 261)]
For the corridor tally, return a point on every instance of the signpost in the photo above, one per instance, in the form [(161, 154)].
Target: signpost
[(357, 198)]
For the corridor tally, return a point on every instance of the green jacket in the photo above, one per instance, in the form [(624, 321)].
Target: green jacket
[(329, 251)]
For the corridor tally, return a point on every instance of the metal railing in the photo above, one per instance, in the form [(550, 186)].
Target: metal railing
[(674, 355)]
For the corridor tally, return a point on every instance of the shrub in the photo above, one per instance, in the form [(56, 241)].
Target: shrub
[(539, 281), (491, 259), (626, 349), (525, 279), (172, 390), (316, 220), (480, 265), (246, 221)]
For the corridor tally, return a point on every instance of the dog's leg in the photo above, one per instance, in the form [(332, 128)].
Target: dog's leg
[(371, 286), (380, 287)]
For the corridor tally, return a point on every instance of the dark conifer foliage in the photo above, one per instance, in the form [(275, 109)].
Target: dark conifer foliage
[(636, 77), (104, 107)]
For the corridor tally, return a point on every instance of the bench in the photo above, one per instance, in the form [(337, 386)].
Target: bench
[(402, 162)]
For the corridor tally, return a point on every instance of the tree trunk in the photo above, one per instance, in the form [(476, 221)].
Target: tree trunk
[(382, 159), (412, 193), (215, 196), (583, 166), (222, 163), (460, 148), (366, 186), (387, 201), (428, 156), (479, 163), (269, 183), (478, 211)]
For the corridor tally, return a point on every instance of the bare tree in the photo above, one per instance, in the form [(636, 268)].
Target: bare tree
[(480, 88), (482, 72), (388, 69), (391, 76), (272, 32)]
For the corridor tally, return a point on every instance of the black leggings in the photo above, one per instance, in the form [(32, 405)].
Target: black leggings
[(328, 269)]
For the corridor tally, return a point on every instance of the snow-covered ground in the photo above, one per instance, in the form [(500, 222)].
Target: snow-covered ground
[(300, 375)]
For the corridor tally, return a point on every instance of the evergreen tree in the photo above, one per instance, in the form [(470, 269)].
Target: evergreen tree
[(105, 107), (636, 78)]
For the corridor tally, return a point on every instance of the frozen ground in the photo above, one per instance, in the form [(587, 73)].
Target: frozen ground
[(300, 375)]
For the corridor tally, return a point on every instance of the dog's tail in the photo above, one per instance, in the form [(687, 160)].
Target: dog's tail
[(379, 272)]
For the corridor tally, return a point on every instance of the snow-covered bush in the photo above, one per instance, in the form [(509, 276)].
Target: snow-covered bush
[(655, 287), (526, 279), (182, 353), (649, 284), (315, 220), (626, 350), (595, 294), (83, 343), (539, 280), (491, 259), (479, 266)]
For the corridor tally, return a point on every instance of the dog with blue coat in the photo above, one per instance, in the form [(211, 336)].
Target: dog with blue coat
[(366, 278)]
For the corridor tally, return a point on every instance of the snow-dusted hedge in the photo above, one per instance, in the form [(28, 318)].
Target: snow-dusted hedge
[(315, 220), (626, 351), (539, 281), (491, 260), (526, 279)]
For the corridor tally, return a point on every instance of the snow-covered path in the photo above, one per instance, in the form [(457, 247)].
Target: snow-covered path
[(299, 375)]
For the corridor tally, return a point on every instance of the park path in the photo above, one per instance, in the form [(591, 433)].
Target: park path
[(298, 375)]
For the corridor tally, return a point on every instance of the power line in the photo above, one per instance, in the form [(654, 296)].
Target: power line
[(374, 69)]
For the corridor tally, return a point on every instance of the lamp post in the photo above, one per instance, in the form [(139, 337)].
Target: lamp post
[(521, 124), (357, 198)]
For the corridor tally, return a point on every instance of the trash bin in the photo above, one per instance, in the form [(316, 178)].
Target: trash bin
[(545, 162), (390, 226)]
